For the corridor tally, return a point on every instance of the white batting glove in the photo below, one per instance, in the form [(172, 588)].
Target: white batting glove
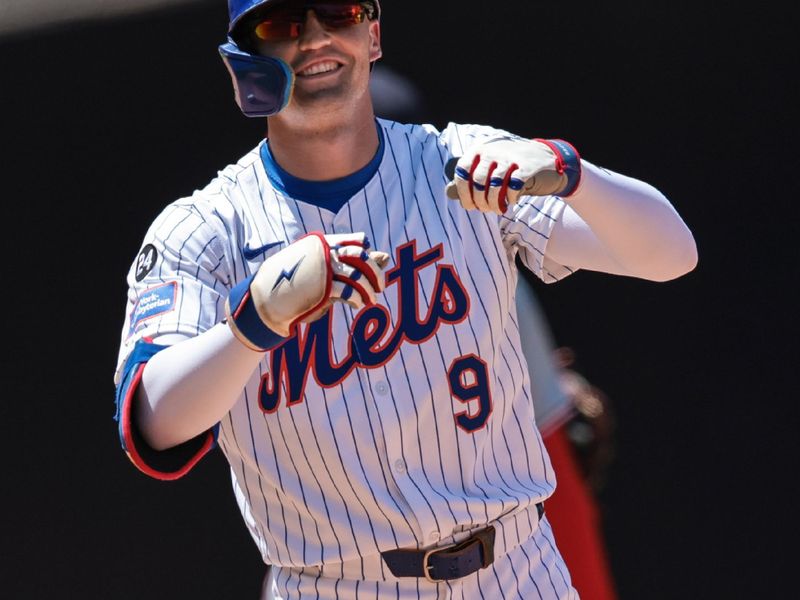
[(299, 284), (494, 174)]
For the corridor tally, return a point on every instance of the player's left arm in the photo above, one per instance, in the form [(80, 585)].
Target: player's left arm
[(620, 225), (612, 223)]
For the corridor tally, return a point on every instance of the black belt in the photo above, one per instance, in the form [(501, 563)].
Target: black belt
[(449, 562)]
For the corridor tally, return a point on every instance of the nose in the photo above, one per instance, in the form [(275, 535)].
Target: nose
[(314, 34)]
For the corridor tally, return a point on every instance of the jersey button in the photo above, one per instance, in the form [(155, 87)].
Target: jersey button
[(434, 536), (382, 388), (400, 465)]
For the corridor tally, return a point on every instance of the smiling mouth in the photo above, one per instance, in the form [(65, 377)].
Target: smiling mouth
[(319, 69)]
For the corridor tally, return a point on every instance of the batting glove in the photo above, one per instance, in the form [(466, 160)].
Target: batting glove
[(300, 283), (497, 172)]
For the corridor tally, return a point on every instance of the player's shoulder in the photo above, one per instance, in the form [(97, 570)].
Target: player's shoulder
[(215, 203), (425, 130), (395, 131), (455, 137), (223, 191), (460, 136), (241, 174)]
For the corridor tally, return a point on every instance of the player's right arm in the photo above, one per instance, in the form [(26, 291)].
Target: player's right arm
[(177, 288), (181, 367), (189, 387)]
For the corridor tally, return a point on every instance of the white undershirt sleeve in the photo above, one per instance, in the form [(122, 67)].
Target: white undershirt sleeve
[(189, 387), (620, 225)]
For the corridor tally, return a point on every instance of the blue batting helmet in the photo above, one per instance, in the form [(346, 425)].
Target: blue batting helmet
[(239, 8), (262, 85)]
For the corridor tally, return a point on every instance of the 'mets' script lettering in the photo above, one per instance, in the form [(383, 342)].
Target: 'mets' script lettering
[(371, 342)]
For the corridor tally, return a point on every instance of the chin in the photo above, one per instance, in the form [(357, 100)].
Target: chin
[(322, 96), (330, 100)]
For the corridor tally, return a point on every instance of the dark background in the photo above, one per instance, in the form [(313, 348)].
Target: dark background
[(105, 123)]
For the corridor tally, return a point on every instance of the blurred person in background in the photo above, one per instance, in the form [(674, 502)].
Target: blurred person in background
[(577, 426)]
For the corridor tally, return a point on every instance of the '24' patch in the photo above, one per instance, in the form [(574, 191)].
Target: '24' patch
[(146, 261)]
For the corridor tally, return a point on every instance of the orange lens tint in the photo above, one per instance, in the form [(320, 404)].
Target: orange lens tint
[(278, 30), (338, 15), (287, 22)]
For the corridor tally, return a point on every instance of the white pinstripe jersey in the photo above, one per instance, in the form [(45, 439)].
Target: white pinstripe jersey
[(407, 423)]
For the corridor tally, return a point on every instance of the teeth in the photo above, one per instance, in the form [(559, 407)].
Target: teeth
[(323, 67)]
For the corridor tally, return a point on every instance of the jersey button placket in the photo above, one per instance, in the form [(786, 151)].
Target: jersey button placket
[(420, 507)]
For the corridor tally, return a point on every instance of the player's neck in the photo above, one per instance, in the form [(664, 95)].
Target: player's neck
[(324, 153)]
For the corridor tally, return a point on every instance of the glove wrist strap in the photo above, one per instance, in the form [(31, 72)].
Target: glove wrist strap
[(244, 321), (568, 162)]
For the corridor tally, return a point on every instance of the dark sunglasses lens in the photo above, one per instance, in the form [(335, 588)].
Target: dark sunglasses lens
[(286, 22)]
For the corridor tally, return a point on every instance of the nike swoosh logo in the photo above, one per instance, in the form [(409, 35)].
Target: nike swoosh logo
[(251, 253)]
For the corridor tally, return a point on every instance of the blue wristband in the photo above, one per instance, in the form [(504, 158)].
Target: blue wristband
[(247, 320), (568, 161)]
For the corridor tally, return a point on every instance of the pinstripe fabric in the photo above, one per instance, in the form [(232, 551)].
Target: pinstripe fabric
[(346, 442), (534, 570)]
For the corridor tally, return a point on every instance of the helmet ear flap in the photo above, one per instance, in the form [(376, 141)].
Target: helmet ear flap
[(262, 85)]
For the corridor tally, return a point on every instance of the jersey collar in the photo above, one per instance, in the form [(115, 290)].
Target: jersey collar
[(332, 194)]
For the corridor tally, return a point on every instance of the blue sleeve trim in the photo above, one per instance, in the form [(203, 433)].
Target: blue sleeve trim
[(142, 352), (161, 464)]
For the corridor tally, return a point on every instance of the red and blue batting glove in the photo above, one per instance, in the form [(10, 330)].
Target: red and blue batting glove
[(493, 175), (299, 284)]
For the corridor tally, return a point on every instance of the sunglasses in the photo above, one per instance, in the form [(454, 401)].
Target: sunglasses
[(286, 22)]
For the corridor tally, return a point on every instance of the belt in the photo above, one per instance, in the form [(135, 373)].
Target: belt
[(448, 562)]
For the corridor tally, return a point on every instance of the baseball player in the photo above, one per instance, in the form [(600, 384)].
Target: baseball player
[(337, 316)]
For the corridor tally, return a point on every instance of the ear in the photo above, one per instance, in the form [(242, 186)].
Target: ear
[(375, 51)]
